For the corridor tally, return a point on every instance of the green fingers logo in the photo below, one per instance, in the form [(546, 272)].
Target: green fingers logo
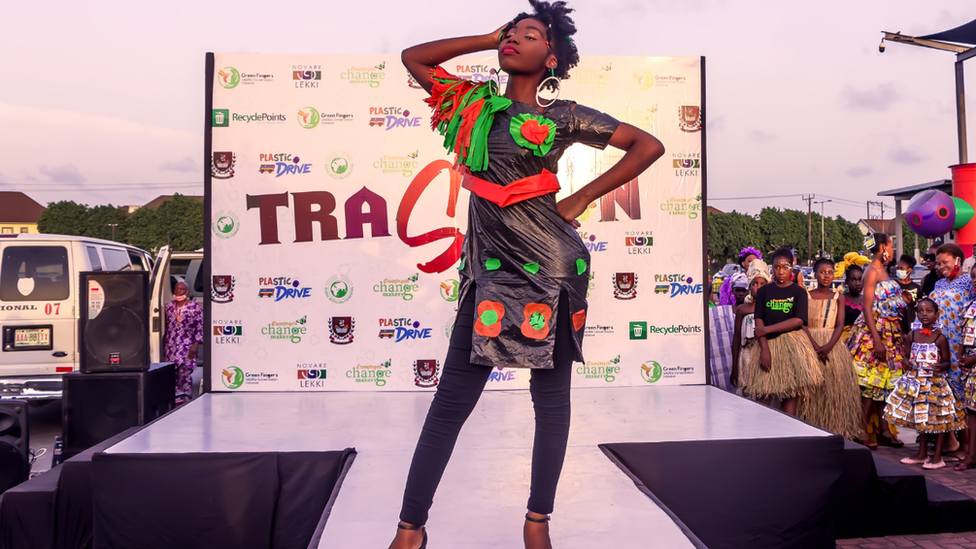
[(228, 77), (233, 377), (308, 117), (651, 371)]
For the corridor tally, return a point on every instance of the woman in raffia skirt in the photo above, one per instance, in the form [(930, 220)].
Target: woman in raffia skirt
[(786, 363), (744, 344), (835, 405)]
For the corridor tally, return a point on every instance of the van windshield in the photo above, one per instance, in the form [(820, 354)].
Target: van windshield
[(34, 273)]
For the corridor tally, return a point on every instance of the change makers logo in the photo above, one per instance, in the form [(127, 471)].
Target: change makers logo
[(403, 288), (675, 285), (310, 117), (594, 77), (282, 287), (377, 374), (392, 117), (225, 224), (311, 375), (229, 78), (400, 165), (607, 370), (227, 332), (638, 242), (652, 372), (369, 76), (282, 164), (687, 207), (288, 331)]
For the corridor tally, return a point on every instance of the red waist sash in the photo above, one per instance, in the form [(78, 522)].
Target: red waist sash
[(516, 191)]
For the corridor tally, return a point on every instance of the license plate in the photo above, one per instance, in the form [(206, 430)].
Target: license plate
[(32, 337)]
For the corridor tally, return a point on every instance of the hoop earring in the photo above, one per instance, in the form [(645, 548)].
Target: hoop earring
[(542, 85)]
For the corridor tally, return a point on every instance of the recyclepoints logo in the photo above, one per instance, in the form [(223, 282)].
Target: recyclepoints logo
[(651, 371), (228, 77), (340, 165), (225, 224), (638, 330), (308, 117), (220, 118), (233, 377)]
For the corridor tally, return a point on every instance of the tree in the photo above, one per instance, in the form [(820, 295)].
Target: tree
[(99, 220), (65, 217)]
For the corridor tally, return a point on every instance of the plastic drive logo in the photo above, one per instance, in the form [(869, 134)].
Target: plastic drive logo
[(651, 371), (233, 377)]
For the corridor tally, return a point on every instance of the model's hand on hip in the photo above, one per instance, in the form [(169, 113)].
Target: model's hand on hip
[(570, 208)]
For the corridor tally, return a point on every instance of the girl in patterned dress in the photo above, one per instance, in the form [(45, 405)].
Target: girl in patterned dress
[(876, 338), (922, 399), (968, 397), (835, 405)]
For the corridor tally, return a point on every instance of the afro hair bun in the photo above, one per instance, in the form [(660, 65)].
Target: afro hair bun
[(560, 29)]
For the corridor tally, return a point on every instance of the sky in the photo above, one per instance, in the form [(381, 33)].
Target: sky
[(103, 101)]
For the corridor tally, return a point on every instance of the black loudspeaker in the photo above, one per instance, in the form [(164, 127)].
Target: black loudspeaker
[(114, 328), (95, 407), (14, 466)]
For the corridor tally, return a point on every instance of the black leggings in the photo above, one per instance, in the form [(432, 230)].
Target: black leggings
[(458, 393)]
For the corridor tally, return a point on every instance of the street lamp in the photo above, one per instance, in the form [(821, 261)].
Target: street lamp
[(113, 225), (822, 236)]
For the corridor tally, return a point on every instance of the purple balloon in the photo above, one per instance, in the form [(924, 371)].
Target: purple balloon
[(931, 213)]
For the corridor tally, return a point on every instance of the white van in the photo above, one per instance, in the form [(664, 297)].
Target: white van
[(39, 307)]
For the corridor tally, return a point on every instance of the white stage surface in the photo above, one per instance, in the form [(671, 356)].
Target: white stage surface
[(481, 500)]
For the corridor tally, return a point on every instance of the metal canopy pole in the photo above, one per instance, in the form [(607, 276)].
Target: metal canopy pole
[(961, 111)]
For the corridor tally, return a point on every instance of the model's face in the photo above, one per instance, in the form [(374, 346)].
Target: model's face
[(945, 263), (854, 282), (748, 261), (757, 283), (825, 275), (926, 313), (523, 49), (782, 269)]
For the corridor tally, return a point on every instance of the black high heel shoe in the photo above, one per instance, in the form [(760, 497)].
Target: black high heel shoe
[(423, 545)]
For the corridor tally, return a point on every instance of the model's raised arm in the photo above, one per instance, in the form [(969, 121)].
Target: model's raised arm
[(421, 58)]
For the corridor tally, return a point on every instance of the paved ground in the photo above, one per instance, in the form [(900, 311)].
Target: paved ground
[(963, 481)]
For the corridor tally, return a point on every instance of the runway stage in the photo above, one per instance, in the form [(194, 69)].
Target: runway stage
[(482, 497)]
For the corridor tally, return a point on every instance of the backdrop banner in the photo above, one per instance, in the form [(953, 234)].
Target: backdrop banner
[(333, 251)]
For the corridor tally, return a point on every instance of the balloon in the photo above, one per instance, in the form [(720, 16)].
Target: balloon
[(931, 213)]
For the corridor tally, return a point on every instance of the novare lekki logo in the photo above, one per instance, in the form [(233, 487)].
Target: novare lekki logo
[(340, 165), (339, 289), (232, 377), (638, 242), (425, 373), (605, 370), (306, 76), (377, 374), (341, 329), (222, 165), (311, 375), (227, 332), (225, 224)]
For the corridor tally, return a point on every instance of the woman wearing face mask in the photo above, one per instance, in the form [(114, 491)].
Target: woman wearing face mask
[(184, 333), (952, 292), (910, 290), (876, 338), (744, 326)]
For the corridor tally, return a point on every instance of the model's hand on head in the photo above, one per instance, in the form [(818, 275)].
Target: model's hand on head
[(497, 35)]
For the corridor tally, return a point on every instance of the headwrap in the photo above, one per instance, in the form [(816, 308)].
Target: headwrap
[(725, 296), (739, 280), (757, 268), (852, 258)]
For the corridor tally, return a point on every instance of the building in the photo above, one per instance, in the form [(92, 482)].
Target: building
[(18, 213), (158, 201)]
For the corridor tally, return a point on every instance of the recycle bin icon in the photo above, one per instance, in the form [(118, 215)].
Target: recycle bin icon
[(218, 118)]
